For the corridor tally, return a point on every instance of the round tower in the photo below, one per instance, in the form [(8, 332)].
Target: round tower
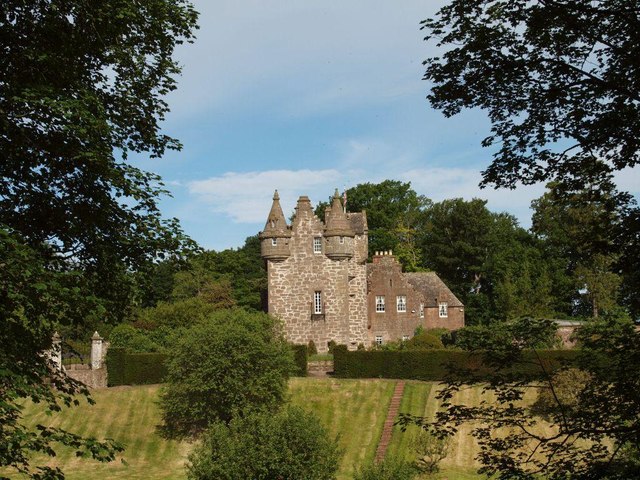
[(274, 240), (338, 232)]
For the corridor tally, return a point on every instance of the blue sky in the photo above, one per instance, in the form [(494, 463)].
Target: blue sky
[(309, 96)]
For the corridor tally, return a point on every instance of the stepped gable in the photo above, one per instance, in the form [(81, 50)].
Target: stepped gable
[(432, 288)]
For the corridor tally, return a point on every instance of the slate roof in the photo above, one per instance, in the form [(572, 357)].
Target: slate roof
[(358, 222), (430, 285)]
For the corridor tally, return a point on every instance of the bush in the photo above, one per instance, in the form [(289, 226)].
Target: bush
[(132, 339), (389, 469), (289, 445), (430, 451), (181, 313), (424, 341), (221, 367), (568, 385), (311, 348), (331, 345), (300, 358)]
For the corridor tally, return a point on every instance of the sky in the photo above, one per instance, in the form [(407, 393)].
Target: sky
[(309, 96)]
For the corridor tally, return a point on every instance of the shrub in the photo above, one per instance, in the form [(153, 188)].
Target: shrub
[(181, 313), (300, 358), (132, 339), (568, 385), (288, 445), (311, 348), (331, 345), (430, 451), (389, 469), (424, 341), (232, 362)]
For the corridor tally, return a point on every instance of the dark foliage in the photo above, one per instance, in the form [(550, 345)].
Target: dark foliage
[(127, 368)]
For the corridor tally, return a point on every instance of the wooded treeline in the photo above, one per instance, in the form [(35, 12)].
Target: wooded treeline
[(576, 261)]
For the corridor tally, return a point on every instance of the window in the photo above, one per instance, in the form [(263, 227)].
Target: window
[(405, 338), (421, 313), (401, 303), (379, 303), (442, 310), (317, 302), (317, 244), (274, 242), (341, 240), (378, 339)]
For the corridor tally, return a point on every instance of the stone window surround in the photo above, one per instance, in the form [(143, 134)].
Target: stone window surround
[(379, 340), (443, 310), (401, 304), (274, 241), (421, 313), (380, 306), (317, 244)]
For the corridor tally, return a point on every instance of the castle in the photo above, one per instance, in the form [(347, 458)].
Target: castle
[(321, 286)]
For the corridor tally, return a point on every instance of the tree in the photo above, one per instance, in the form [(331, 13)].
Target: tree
[(222, 367), (287, 445), (394, 217), (81, 89), (594, 430), (559, 81)]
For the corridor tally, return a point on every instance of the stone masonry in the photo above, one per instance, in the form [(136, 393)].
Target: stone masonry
[(321, 287)]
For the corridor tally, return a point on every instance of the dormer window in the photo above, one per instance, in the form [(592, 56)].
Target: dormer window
[(317, 244), (274, 242)]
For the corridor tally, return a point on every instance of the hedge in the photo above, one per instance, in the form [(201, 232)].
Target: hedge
[(126, 368), (430, 364), (300, 357)]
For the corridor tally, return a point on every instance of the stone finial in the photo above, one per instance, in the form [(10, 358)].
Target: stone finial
[(96, 336), (276, 223)]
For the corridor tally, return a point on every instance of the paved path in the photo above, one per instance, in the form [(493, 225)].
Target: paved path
[(392, 413)]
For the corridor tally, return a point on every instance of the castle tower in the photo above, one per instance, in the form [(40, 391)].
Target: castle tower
[(339, 233), (274, 240)]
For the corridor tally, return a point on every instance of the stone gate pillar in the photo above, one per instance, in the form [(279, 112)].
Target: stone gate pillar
[(96, 351), (56, 351)]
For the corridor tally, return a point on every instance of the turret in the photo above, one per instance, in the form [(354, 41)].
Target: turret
[(274, 240), (338, 232)]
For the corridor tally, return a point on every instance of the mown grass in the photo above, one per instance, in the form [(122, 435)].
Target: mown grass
[(352, 410)]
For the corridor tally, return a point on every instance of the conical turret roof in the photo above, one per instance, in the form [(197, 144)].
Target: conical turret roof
[(337, 222), (276, 225)]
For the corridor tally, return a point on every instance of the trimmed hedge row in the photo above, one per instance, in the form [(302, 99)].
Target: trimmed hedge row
[(300, 356), (126, 368), (431, 364)]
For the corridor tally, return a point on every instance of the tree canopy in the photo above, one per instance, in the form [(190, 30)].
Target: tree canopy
[(220, 368), (81, 89), (560, 81)]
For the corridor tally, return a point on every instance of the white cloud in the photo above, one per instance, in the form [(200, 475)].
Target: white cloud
[(246, 197)]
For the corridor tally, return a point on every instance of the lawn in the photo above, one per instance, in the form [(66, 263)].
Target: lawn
[(354, 410)]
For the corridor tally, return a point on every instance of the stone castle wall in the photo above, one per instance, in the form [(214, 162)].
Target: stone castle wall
[(293, 281)]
